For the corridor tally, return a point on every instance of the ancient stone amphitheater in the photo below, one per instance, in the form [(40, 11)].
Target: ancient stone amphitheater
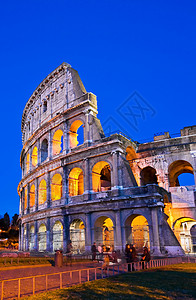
[(79, 185)]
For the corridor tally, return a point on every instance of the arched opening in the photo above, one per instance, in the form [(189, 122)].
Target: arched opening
[(27, 162), (57, 236), (42, 192), (148, 176), (176, 169), (76, 182), (56, 187), (101, 177), (77, 236), (31, 238), (44, 106), (32, 195), (44, 150), (104, 232), (42, 237), (183, 230), (25, 197), (57, 142), (24, 238), (76, 135), (137, 232), (34, 157)]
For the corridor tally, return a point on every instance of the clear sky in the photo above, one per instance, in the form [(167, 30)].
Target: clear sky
[(137, 56)]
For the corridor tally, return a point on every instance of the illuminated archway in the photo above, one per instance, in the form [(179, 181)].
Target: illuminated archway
[(31, 238), (77, 236), (34, 157), (57, 236), (182, 230), (101, 177), (56, 187), (73, 135), (137, 232), (32, 195), (57, 142), (44, 150), (76, 182), (42, 237), (104, 232), (193, 238), (148, 176), (177, 168), (27, 162), (25, 197), (42, 192)]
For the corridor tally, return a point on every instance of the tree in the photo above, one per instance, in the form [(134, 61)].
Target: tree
[(14, 222), (6, 221)]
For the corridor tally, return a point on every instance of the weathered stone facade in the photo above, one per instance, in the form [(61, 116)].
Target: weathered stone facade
[(106, 189)]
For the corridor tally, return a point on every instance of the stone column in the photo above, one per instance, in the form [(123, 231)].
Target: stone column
[(30, 159), (88, 239), (22, 237), (193, 154), (48, 189), (49, 236), (66, 236), (114, 173), (49, 144), (28, 197), (118, 235), (86, 128), (65, 138), (38, 153), (27, 237), (155, 231), (36, 246), (36, 194), (65, 185)]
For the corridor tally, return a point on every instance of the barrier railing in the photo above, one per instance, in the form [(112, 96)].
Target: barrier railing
[(41, 283)]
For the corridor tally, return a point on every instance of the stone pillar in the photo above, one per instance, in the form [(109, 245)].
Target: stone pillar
[(88, 238), (65, 185), (49, 144), (28, 197), (155, 231), (118, 235), (36, 194), (22, 237), (49, 236), (65, 138), (115, 171), (87, 128), (193, 154), (38, 153), (27, 237), (36, 246), (66, 236), (48, 189), (30, 159)]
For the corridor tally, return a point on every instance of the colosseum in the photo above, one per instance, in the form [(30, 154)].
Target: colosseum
[(79, 185)]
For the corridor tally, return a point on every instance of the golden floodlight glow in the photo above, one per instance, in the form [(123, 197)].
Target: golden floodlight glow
[(101, 181), (34, 157), (57, 146), (27, 163), (32, 195), (73, 133), (76, 182), (42, 193), (25, 198), (56, 187)]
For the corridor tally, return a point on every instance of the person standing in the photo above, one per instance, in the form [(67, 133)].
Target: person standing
[(100, 250), (94, 251), (69, 252)]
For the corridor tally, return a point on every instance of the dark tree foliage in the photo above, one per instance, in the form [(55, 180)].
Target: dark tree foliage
[(6, 221), (14, 222)]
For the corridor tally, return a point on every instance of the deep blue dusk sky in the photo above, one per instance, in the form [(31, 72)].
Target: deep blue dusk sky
[(117, 47)]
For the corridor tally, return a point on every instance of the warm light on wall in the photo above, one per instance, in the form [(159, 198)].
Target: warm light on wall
[(101, 182), (73, 133), (57, 145), (32, 195), (76, 182), (25, 198), (42, 193), (56, 187), (34, 157)]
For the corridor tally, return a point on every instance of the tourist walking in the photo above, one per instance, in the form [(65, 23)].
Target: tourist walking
[(94, 251), (145, 257), (100, 252), (69, 253)]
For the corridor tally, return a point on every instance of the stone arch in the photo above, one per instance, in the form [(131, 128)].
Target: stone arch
[(104, 232), (34, 157), (42, 192), (193, 237), (177, 168), (32, 195), (77, 235), (73, 135), (27, 162), (57, 142), (148, 176), (57, 232), (137, 231), (44, 150), (101, 176), (56, 187), (130, 153), (32, 238), (42, 237), (182, 230), (76, 182)]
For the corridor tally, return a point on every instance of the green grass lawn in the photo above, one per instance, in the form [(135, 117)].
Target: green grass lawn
[(171, 282)]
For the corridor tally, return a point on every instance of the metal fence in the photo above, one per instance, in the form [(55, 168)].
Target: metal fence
[(26, 286)]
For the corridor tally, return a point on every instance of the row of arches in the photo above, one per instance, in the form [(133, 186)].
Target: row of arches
[(101, 181), (180, 173), (136, 232), (76, 137)]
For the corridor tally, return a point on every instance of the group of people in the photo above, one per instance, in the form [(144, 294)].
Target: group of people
[(131, 254), (102, 252)]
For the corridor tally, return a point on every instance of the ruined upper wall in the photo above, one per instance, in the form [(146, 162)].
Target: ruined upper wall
[(59, 91)]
